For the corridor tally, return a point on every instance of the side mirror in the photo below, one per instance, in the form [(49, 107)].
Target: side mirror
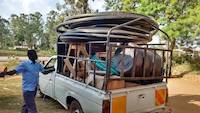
[(48, 70)]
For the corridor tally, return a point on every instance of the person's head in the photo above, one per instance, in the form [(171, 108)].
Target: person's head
[(32, 55)]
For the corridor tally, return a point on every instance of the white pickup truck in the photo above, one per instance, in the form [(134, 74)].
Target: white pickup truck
[(79, 97), (101, 66)]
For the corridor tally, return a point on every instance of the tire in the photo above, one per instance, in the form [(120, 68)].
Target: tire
[(75, 107)]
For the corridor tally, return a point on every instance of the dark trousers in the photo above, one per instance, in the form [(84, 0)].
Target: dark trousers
[(29, 105)]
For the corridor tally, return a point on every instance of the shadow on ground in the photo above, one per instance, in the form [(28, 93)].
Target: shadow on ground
[(185, 103)]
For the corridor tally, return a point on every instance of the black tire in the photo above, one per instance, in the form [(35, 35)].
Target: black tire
[(75, 107)]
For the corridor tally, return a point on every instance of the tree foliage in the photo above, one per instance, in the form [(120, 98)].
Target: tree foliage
[(50, 33), (69, 8), (78, 6), (74, 7), (179, 18)]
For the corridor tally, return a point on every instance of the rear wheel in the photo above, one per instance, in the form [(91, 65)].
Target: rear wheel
[(75, 107)]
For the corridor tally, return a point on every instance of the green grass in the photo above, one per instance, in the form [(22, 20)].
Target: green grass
[(24, 53), (12, 52), (46, 52)]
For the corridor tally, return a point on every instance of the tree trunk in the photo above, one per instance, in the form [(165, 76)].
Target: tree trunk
[(173, 44)]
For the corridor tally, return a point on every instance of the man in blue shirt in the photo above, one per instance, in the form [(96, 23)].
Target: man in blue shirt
[(30, 76)]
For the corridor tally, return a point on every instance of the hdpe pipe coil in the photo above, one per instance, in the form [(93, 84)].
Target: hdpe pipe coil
[(71, 36), (96, 26)]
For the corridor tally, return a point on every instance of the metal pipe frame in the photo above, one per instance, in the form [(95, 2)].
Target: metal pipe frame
[(108, 59)]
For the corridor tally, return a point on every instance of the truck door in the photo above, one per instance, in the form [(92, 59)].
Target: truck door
[(47, 80)]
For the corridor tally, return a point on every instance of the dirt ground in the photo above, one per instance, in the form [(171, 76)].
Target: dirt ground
[(184, 94)]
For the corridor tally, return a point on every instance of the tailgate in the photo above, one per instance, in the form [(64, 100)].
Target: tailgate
[(138, 99)]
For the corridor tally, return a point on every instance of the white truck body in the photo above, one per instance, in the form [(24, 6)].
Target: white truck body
[(138, 99)]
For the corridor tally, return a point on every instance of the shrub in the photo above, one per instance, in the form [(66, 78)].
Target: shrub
[(193, 59), (180, 58)]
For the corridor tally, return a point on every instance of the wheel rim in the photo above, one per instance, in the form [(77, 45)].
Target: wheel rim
[(75, 107), (77, 111)]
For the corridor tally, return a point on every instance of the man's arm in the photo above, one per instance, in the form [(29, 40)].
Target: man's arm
[(20, 68), (12, 72), (47, 71)]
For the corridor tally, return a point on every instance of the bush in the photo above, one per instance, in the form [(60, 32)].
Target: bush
[(180, 58), (195, 61), (190, 58)]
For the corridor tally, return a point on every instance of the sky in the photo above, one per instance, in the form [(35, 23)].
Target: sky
[(8, 7)]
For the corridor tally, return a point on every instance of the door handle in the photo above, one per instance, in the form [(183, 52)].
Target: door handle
[(141, 96)]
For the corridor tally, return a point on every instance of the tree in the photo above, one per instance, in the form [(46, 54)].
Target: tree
[(179, 18), (35, 29), (18, 27), (74, 7), (69, 8), (50, 33), (77, 6), (27, 28), (4, 32)]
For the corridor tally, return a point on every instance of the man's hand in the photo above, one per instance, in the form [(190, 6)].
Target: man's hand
[(5, 72), (2, 74)]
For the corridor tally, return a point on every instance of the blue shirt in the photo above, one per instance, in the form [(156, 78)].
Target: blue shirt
[(30, 74)]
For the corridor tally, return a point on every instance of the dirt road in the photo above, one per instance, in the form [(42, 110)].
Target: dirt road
[(184, 95)]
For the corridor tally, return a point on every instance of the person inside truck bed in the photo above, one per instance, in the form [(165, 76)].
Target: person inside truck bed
[(116, 62), (30, 74)]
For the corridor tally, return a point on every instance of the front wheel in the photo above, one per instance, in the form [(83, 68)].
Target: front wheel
[(75, 107)]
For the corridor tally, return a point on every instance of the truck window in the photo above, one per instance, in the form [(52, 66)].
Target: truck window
[(62, 50)]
